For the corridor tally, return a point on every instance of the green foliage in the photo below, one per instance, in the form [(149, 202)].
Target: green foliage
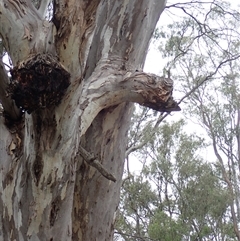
[(163, 227), (136, 201), (180, 193), (176, 195)]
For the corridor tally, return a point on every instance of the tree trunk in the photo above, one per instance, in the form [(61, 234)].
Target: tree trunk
[(63, 138)]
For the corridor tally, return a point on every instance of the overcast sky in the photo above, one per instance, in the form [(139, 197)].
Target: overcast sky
[(154, 62)]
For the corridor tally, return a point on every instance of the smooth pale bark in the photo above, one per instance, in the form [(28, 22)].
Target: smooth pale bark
[(48, 191)]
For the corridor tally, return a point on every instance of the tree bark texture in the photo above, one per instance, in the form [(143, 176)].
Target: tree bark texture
[(48, 190)]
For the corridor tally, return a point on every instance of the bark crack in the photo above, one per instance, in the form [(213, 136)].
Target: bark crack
[(55, 207)]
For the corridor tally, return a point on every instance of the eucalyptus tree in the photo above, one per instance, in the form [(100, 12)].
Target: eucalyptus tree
[(201, 50), (66, 107), (203, 55), (215, 106), (177, 195)]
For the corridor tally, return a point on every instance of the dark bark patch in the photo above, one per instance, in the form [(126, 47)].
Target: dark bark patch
[(8, 179), (155, 104), (55, 207), (38, 168), (49, 179), (13, 124), (38, 82)]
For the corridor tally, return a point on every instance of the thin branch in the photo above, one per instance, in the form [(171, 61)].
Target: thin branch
[(94, 162), (207, 78), (177, 5), (197, 3), (136, 135), (153, 132)]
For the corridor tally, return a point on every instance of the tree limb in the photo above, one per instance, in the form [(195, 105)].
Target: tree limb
[(108, 89), (152, 91), (10, 109), (94, 162)]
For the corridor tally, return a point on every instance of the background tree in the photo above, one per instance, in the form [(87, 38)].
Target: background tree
[(66, 112), (201, 50), (177, 195), (214, 103)]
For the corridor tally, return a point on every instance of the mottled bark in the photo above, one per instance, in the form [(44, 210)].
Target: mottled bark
[(48, 191)]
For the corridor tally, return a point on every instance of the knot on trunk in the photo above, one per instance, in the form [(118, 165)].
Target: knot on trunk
[(38, 82)]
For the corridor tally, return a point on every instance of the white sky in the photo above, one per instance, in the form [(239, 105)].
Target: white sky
[(155, 64)]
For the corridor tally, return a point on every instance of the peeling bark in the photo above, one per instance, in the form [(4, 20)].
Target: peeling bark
[(48, 189)]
